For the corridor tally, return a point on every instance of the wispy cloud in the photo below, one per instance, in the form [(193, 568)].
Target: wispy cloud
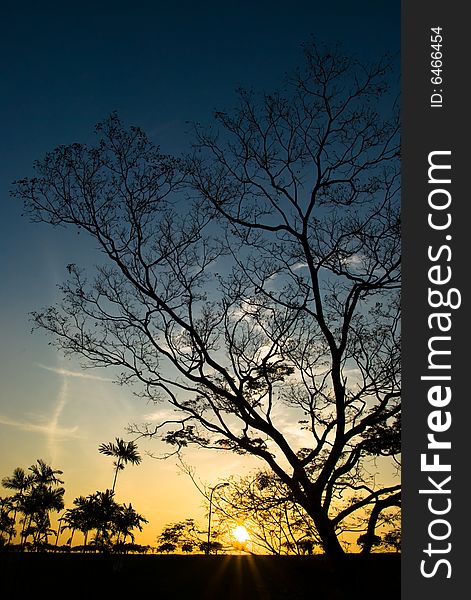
[(49, 425), (46, 429), (56, 413), (355, 261), (162, 415), (299, 265), (69, 373), (53, 428)]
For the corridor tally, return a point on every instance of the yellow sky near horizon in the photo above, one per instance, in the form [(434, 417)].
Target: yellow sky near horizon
[(86, 409)]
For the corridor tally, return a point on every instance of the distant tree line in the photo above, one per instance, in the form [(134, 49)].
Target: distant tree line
[(274, 522), (184, 536)]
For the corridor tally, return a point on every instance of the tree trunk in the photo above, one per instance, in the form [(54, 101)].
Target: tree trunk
[(347, 582), (25, 533), (12, 531), (116, 475), (330, 542)]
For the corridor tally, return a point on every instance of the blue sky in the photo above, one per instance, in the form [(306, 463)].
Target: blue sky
[(66, 66)]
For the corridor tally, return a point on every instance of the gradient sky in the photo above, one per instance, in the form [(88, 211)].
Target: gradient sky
[(159, 64)]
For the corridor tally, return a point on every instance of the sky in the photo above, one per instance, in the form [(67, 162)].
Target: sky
[(65, 67)]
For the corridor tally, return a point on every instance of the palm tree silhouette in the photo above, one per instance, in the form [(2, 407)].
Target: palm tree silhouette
[(37, 495), (19, 482), (124, 452), (82, 517), (7, 523), (41, 499), (44, 474), (103, 510), (127, 519)]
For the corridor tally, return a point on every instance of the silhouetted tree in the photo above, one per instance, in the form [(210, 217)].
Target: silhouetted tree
[(103, 508), (265, 505), (183, 535), (213, 547), (82, 517), (38, 495), (124, 523), (253, 284), (367, 541), (167, 547), (113, 523), (392, 539), (19, 482), (7, 521), (44, 474), (124, 452)]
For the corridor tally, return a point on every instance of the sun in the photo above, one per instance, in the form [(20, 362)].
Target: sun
[(241, 534)]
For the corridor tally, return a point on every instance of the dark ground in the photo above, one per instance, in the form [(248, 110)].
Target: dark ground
[(176, 577)]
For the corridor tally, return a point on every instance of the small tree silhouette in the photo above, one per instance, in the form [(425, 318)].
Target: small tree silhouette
[(183, 534)]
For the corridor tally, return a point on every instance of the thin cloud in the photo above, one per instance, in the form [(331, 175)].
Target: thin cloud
[(162, 415), (51, 429), (56, 413), (68, 373), (62, 432)]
